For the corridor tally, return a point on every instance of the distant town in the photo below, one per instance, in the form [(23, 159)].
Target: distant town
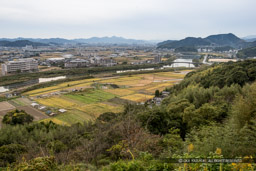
[(37, 57)]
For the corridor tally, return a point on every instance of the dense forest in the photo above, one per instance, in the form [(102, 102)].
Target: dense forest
[(248, 52), (210, 114), (186, 49)]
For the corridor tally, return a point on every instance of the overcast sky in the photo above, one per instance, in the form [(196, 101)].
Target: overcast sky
[(139, 19)]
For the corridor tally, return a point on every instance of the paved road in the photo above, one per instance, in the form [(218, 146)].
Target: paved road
[(205, 59)]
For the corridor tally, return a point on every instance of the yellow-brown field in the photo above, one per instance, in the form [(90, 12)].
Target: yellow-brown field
[(62, 86), (120, 92), (84, 106), (137, 97), (57, 102)]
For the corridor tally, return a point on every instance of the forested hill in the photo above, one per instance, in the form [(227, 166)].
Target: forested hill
[(221, 75), (217, 40), (210, 114), (20, 43), (248, 52)]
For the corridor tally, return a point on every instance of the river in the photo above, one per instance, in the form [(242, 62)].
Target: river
[(30, 82), (133, 70)]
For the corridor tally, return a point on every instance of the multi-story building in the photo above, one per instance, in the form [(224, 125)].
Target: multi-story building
[(77, 63), (158, 59), (20, 65)]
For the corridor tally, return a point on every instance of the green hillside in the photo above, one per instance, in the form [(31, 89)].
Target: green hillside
[(217, 40), (248, 52)]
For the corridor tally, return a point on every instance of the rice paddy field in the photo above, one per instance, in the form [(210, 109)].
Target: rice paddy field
[(86, 99)]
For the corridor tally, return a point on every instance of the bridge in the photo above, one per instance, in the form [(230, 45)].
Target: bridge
[(189, 63)]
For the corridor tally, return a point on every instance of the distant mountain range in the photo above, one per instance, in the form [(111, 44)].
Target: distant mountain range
[(93, 40), (110, 40), (218, 40), (212, 40), (251, 38)]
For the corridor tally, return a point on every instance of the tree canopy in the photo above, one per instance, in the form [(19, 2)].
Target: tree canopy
[(17, 117)]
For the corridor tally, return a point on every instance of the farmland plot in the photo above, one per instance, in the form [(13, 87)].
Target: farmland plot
[(88, 105)]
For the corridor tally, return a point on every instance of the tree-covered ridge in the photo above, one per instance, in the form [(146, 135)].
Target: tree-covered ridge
[(20, 43), (248, 52), (189, 41), (202, 117), (219, 40), (221, 75)]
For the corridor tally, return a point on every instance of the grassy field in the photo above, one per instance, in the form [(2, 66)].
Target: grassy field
[(91, 96), (94, 96)]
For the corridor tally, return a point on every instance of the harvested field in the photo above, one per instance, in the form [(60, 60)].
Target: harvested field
[(6, 106), (38, 115), (120, 92), (83, 105), (138, 97)]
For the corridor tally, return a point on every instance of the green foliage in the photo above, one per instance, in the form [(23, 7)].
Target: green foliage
[(220, 75), (2, 99), (17, 117), (202, 116), (106, 117), (231, 141), (91, 96), (139, 165), (117, 149), (39, 164), (157, 93), (57, 146), (9, 153), (157, 120), (248, 52), (173, 143), (123, 166), (244, 108), (186, 49)]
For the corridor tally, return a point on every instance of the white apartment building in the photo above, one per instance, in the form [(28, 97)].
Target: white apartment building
[(22, 65)]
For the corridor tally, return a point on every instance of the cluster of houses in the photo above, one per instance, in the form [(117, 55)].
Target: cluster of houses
[(72, 62), (158, 100), (47, 110), (93, 61)]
